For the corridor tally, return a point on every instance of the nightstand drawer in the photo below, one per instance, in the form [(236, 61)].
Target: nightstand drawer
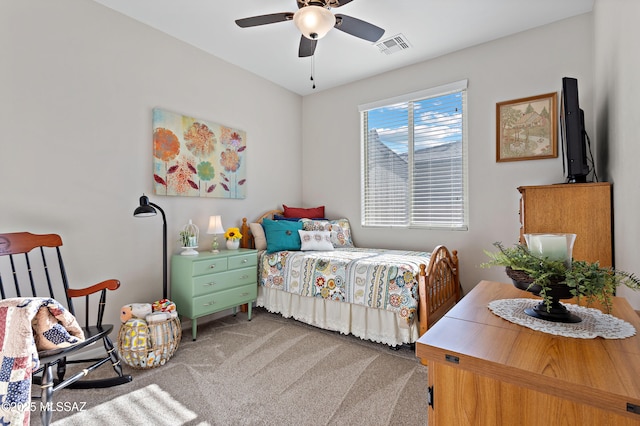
[(206, 284), (249, 259), (208, 266), (210, 303)]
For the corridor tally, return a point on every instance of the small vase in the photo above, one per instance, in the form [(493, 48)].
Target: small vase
[(233, 244)]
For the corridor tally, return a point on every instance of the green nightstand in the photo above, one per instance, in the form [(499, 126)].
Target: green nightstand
[(212, 282)]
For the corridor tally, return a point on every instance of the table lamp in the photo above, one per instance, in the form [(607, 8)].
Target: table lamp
[(215, 228)]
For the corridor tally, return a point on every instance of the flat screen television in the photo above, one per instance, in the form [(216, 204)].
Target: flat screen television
[(573, 133)]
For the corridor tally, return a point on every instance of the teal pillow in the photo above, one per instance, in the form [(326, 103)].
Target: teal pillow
[(281, 234)]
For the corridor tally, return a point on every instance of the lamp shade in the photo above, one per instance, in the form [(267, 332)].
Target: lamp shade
[(144, 209), (314, 22), (215, 225)]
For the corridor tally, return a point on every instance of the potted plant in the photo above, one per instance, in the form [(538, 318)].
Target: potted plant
[(187, 238), (233, 237), (554, 279)]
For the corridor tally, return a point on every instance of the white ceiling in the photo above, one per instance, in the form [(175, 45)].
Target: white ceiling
[(432, 27)]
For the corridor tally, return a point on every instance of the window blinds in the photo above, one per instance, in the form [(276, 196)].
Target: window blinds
[(413, 160)]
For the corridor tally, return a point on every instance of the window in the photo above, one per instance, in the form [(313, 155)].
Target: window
[(414, 160)]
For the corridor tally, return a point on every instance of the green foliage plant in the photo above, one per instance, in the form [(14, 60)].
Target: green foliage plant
[(584, 279), (184, 238)]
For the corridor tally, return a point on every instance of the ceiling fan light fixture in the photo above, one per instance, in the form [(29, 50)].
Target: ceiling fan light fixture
[(314, 22)]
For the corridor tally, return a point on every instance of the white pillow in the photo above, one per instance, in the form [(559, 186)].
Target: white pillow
[(259, 238), (315, 240)]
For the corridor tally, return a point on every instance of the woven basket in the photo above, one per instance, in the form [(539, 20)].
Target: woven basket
[(524, 282), (144, 346), (519, 276)]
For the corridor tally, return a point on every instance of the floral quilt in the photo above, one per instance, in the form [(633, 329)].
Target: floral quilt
[(376, 278)]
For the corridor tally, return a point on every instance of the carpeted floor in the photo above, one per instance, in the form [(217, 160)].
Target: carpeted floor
[(267, 371)]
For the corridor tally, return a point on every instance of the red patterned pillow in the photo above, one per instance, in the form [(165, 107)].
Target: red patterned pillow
[(315, 212)]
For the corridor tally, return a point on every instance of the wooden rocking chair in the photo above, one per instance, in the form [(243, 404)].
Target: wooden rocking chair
[(31, 266)]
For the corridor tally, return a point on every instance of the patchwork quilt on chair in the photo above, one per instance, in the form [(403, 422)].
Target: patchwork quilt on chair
[(26, 326)]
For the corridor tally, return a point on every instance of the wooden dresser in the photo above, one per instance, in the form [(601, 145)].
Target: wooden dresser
[(484, 370), (584, 209)]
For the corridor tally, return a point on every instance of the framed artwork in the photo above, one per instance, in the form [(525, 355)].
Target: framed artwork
[(197, 158), (527, 128)]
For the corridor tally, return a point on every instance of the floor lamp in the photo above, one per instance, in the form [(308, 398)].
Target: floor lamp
[(147, 209)]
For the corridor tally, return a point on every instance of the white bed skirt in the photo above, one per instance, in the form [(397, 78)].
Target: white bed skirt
[(377, 325)]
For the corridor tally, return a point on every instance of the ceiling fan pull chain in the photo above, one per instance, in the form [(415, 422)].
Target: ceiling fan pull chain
[(313, 70)]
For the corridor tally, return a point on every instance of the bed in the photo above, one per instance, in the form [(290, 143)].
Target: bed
[(385, 296)]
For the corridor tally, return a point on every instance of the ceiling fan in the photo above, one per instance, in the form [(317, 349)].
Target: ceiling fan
[(314, 20)]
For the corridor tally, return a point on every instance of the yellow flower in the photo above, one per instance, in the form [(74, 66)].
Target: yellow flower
[(232, 234)]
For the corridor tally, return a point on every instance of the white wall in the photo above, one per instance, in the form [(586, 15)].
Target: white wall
[(617, 88), (526, 64), (78, 82)]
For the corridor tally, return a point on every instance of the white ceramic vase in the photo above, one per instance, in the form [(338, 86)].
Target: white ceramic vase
[(233, 244)]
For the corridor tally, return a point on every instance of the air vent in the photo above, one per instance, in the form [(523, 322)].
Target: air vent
[(393, 44)]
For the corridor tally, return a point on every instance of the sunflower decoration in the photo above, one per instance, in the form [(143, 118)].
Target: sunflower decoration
[(232, 234)]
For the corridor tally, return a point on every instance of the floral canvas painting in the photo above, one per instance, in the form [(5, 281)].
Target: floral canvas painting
[(197, 158)]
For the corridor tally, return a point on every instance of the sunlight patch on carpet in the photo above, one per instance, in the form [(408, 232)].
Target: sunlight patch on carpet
[(149, 405)]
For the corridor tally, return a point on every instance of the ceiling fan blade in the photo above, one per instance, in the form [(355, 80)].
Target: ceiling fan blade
[(307, 47), (358, 28), (254, 21)]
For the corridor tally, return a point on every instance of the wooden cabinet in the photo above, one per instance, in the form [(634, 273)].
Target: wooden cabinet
[(484, 370), (211, 282), (583, 209)]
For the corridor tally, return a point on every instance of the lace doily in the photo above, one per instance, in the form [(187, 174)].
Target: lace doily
[(594, 322)]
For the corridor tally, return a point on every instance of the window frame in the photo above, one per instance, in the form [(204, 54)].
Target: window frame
[(414, 97)]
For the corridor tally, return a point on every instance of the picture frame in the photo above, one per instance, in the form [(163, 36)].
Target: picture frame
[(527, 128)]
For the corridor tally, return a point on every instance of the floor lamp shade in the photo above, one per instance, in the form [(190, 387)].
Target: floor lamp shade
[(147, 209)]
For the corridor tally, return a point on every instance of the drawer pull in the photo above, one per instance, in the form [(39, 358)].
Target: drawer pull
[(212, 266), (208, 303), (245, 260), (244, 294), (245, 277), (210, 284)]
